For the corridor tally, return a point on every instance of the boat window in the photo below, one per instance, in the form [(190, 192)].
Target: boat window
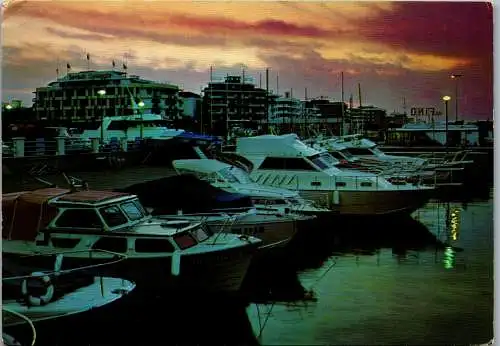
[(121, 125), (153, 245), (113, 216), (340, 184), (298, 164), (346, 154), (184, 240), (79, 218), (273, 163), (360, 151), (64, 243), (337, 155), (115, 244), (323, 160), (228, 175), (366, 184), (139, 206), (199, 234), (131, 210)]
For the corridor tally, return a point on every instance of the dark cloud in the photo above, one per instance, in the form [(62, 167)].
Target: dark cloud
[(463, 29)]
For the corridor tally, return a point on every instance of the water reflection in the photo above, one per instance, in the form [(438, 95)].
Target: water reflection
[(419, 273)]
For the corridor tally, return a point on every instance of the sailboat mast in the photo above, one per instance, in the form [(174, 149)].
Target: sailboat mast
[(342, 99)]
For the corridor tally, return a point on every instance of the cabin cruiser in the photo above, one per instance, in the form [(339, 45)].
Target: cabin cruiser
[(234, 179), (393, 172), (187, 197), (161, 254), (286, 162), (368, 152), (442, 170), (132, 127)]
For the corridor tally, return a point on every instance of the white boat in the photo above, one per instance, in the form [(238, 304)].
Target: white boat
[(233, 179), (368, 152), (129, 127), (441, 170), (393, 172), (286, 162), (55, 293), (173, 198), (177, 254)]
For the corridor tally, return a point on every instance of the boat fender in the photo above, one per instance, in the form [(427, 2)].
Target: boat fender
[(43, 299), (58, 263), (176, 263)]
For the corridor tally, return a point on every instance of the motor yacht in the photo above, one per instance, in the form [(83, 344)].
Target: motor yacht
[(161, 254), (188, 197), (230, 178), (446, 169), (286, 162)]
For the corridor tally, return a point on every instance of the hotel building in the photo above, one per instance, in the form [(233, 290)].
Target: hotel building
[(86, 96)]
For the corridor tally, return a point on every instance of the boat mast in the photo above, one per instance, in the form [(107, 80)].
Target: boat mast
[(360, 108), (342, 99)]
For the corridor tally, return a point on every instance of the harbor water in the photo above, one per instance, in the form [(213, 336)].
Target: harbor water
[(424, 279)]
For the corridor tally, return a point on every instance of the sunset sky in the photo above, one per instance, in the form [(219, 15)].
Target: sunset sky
[(393, 49)]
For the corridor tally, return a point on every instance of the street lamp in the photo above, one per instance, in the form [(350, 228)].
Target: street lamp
[(141, 110), (101, 94), (8, 107), (456, 77), (446, 99)]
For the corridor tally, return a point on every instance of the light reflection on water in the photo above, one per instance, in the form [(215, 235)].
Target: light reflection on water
[(417, 297)]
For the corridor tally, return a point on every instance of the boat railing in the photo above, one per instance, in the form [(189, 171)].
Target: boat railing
[(59, 146), (6, 312), (59, 260), (341, 183)]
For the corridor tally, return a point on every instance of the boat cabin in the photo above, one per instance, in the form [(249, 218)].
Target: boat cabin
[(112, 221), (225, 176), (286, 152), (212, 171), (132, 127)]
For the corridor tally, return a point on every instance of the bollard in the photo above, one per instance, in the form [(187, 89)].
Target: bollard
[(124, 144), (95, 145), (60, 145), (18, 146)]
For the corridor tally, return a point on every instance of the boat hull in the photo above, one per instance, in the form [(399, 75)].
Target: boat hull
[(371, 203), (102, 292), (210, 271), (274, 230)]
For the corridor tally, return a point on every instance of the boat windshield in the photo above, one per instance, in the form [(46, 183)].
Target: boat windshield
[(228, 175), (377, 151), (132, 210), (185, 240), (323, 160), (113, 216), (200, 234), (240, 175)]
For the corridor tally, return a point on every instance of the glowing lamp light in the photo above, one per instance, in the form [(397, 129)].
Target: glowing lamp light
[(8, 106), (141, 104), (446, 98), (101, 92)]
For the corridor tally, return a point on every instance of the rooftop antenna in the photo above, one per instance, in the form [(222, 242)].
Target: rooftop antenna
[(57, 69), (88, 62)]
